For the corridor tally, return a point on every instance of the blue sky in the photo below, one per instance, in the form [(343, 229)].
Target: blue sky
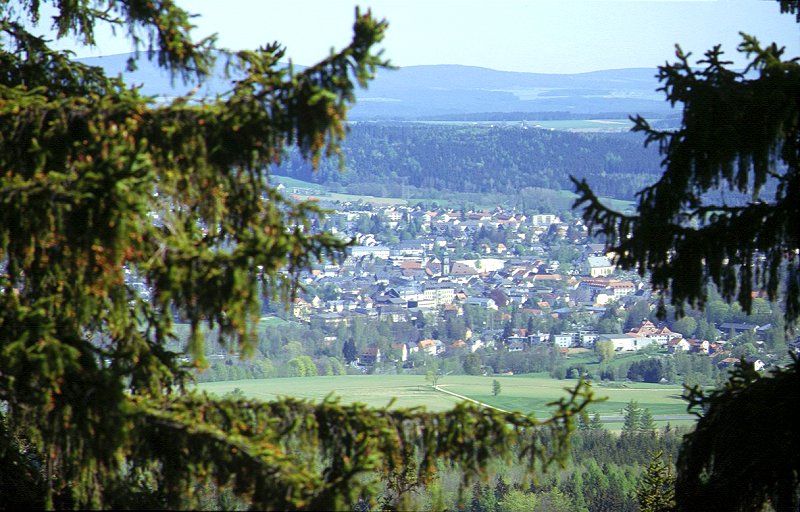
[(546, 36)]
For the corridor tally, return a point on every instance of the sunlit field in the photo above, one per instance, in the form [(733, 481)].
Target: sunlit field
[(527, 394), (372, 390)]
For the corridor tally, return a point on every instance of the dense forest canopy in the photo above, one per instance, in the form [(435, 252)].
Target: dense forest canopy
[(485, 158)]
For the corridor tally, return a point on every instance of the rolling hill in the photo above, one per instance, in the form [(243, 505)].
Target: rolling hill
[(448, 92)]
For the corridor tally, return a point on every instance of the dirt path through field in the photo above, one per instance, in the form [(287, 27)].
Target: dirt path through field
[(468, 399), (609, 419)]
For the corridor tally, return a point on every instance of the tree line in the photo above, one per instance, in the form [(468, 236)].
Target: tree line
[(415, 159)]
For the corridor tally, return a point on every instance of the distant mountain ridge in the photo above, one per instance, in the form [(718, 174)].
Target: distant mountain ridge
[(453, 92), (447, 91)]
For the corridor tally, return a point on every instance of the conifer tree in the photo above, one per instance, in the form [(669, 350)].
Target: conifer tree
[(632, 415), (98, 183), (725, 212), (739, 134), (596, 423), (583, 422), (656, 489), (646, 422)]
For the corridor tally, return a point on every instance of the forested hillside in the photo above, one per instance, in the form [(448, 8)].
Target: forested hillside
[(500, 158)]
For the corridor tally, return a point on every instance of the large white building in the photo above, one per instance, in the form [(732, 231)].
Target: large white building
[(376, 251), (626, 342), (597, 266), (484, 264), (440, 293), (544, 219), (661, 335)]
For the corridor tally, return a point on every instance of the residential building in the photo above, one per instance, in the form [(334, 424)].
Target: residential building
[(660, 335), (375, 251), (678, 345), (370, 356), (544, 219), (440, 293), (562, 340), (402, 348), (597, 266), (481, 302), (431, 347)]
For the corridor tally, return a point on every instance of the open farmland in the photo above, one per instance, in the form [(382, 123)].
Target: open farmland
[(372, 390), (527, 394)]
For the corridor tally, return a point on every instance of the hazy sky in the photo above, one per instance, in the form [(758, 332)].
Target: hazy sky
[(548, 36)]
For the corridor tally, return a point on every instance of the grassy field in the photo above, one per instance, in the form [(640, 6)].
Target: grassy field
[(585, 125), (295, 183), (372, 390), (532, 394), (588, 358), (528, 394), (321, 192)]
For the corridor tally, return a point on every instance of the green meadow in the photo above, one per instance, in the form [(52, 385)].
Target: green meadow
[(320, 191), (372, 390), (589, 125), (524, 393)]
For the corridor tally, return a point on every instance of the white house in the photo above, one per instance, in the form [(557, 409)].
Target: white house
[(440, 293), (622, 342), (678, 345), (562, 340), (597, 266), (431, 347), (376, 251), (660, 335), (544, 219), (482, 302)]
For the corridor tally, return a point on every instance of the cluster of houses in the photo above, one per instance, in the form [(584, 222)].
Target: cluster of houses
[(644, 335), (413, 278), (388, 284), (416, 277)]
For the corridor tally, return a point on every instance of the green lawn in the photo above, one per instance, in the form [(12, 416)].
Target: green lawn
[(589, 358), (372, 390), (532, 394), (593, 125), (271, 321), (321, 192), (292, 182), (384, 201), (528, 394)]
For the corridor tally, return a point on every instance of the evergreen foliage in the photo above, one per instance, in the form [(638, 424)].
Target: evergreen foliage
[(744, 450), (605, 350), (739, 138), (606, 472), (99, 185), (421, 160), (656, 490), (648, 370), (349, 351), (596, 423), (647, 423), (739, 134), (632, 415)]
